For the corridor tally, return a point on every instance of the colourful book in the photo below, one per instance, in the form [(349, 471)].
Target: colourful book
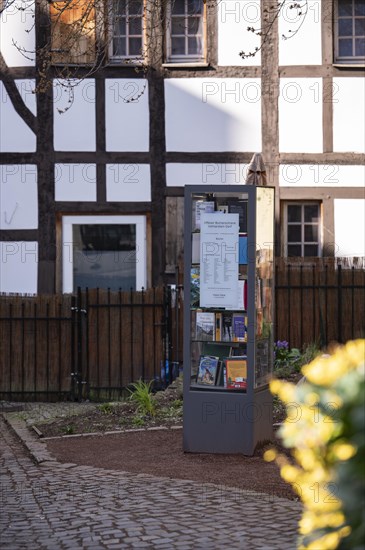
[(195, 287), (236, 373), (227, 327), (239, 328), (242, 249), (207, 370), (218, 327), (205, 325)]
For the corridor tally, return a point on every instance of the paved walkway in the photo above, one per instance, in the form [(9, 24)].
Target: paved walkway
[(58, 506)]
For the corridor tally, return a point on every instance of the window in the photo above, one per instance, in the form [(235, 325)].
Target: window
[(186, 30), (127, 30), (104, 252), (302, 229), (72, 32), (350, 31)]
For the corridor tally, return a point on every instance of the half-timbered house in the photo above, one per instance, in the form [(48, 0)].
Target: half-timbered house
[(93, 174)]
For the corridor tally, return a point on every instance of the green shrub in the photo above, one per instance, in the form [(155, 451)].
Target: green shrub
[(141, 396)]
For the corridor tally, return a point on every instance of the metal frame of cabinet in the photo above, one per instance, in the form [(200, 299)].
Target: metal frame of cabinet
[(217, 419)]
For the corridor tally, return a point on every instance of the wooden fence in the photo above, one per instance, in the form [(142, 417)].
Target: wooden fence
[(92, 345), (319, 302)]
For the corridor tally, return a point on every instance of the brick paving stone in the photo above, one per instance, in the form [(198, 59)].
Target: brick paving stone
[(52, 506)]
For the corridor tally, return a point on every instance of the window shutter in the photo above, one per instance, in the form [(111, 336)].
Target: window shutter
[(73, 32)]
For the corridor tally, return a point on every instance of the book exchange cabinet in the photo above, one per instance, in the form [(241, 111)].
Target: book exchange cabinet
[(228, 317)]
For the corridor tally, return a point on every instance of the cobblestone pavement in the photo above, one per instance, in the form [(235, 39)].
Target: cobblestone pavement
[(62, 506)]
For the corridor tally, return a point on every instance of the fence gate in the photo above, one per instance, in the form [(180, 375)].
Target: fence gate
[(122, 337)]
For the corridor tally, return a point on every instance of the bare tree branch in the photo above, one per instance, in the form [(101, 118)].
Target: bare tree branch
[(275, 12), (15, 96)]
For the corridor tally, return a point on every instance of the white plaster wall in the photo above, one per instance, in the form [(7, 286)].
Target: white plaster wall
[(300, 115), (321, 175), (206, 114), (350, 227), (349, 114), (305, 46), (233, 37), (18, 196), (19, 267), (180, 174), (75, 182), (15, 134), (74, 129), (126, 114), (128, 182), (17, 25)]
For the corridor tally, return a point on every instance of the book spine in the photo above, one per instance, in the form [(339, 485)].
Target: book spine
[(218, 327)]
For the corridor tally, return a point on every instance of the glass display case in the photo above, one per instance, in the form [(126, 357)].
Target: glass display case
[(228, 317)]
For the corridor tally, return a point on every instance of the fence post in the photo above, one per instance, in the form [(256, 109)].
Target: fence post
[(289, 312), (339, 304), (73, 354), (79, 345), (76, 374)]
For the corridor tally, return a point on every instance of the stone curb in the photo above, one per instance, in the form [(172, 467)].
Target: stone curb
[(114, 432), (33, 445)]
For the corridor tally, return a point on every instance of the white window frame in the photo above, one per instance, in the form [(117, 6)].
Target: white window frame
[(135, 59), (184, 58), (303, 223), (67, 245), (348, 59)]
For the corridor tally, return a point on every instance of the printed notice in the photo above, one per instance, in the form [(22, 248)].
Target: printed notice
[(219, 260)]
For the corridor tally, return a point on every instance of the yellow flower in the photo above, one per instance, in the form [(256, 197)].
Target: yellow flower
[(270, 455), (311, 399), (345, 531), (356, 352), (315, 435), (275, 386), (344, 451), (307, 524), (327, 542), (325, 370), (289, 473)]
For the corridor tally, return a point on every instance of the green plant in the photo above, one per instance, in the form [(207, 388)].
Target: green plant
[(138, 421), (69, 429), (286, 361), (173, 411), (106, 408), (284, 356), (141, 396)]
